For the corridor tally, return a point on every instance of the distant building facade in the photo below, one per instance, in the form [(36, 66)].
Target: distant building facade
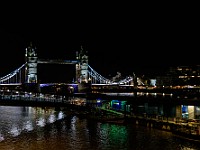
[(181, 75)]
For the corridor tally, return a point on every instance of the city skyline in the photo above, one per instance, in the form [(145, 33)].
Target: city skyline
[(115, 42)]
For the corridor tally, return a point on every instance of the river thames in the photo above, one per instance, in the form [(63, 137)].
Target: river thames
[(35, 128)]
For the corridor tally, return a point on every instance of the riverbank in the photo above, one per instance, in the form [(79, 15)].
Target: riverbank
[(189, 130)]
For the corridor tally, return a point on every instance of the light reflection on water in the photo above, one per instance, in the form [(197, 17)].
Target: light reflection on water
[(27, 128), (15, 120)]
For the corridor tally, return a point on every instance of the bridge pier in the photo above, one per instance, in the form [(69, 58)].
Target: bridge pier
[(84, 87), (31, 87)]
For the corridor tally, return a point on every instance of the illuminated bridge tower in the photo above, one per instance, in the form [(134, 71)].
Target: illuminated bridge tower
[(82, 69), (31, 64)]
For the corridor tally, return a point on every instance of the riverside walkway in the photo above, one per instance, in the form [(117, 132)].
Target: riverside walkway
[(187, 129), (37, 100)]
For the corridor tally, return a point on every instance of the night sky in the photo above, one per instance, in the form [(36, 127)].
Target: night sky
[(117, 39)]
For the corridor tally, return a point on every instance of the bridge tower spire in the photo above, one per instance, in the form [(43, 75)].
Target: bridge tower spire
[(82, 66), (31, 64), (82, 76)]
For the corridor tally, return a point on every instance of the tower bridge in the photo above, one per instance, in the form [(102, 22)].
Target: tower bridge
[(85, 76), (27, 73)]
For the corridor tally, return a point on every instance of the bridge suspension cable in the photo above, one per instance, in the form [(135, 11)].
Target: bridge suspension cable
[(13, 77), (96, 77), (127, 80)]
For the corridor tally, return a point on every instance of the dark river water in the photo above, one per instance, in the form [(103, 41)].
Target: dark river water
[(34, 128)]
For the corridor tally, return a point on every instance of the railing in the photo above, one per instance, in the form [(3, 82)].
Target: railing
[(34, 100), (28, 98)]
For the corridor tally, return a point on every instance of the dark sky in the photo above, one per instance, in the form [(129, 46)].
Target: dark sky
[(118, 39)]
